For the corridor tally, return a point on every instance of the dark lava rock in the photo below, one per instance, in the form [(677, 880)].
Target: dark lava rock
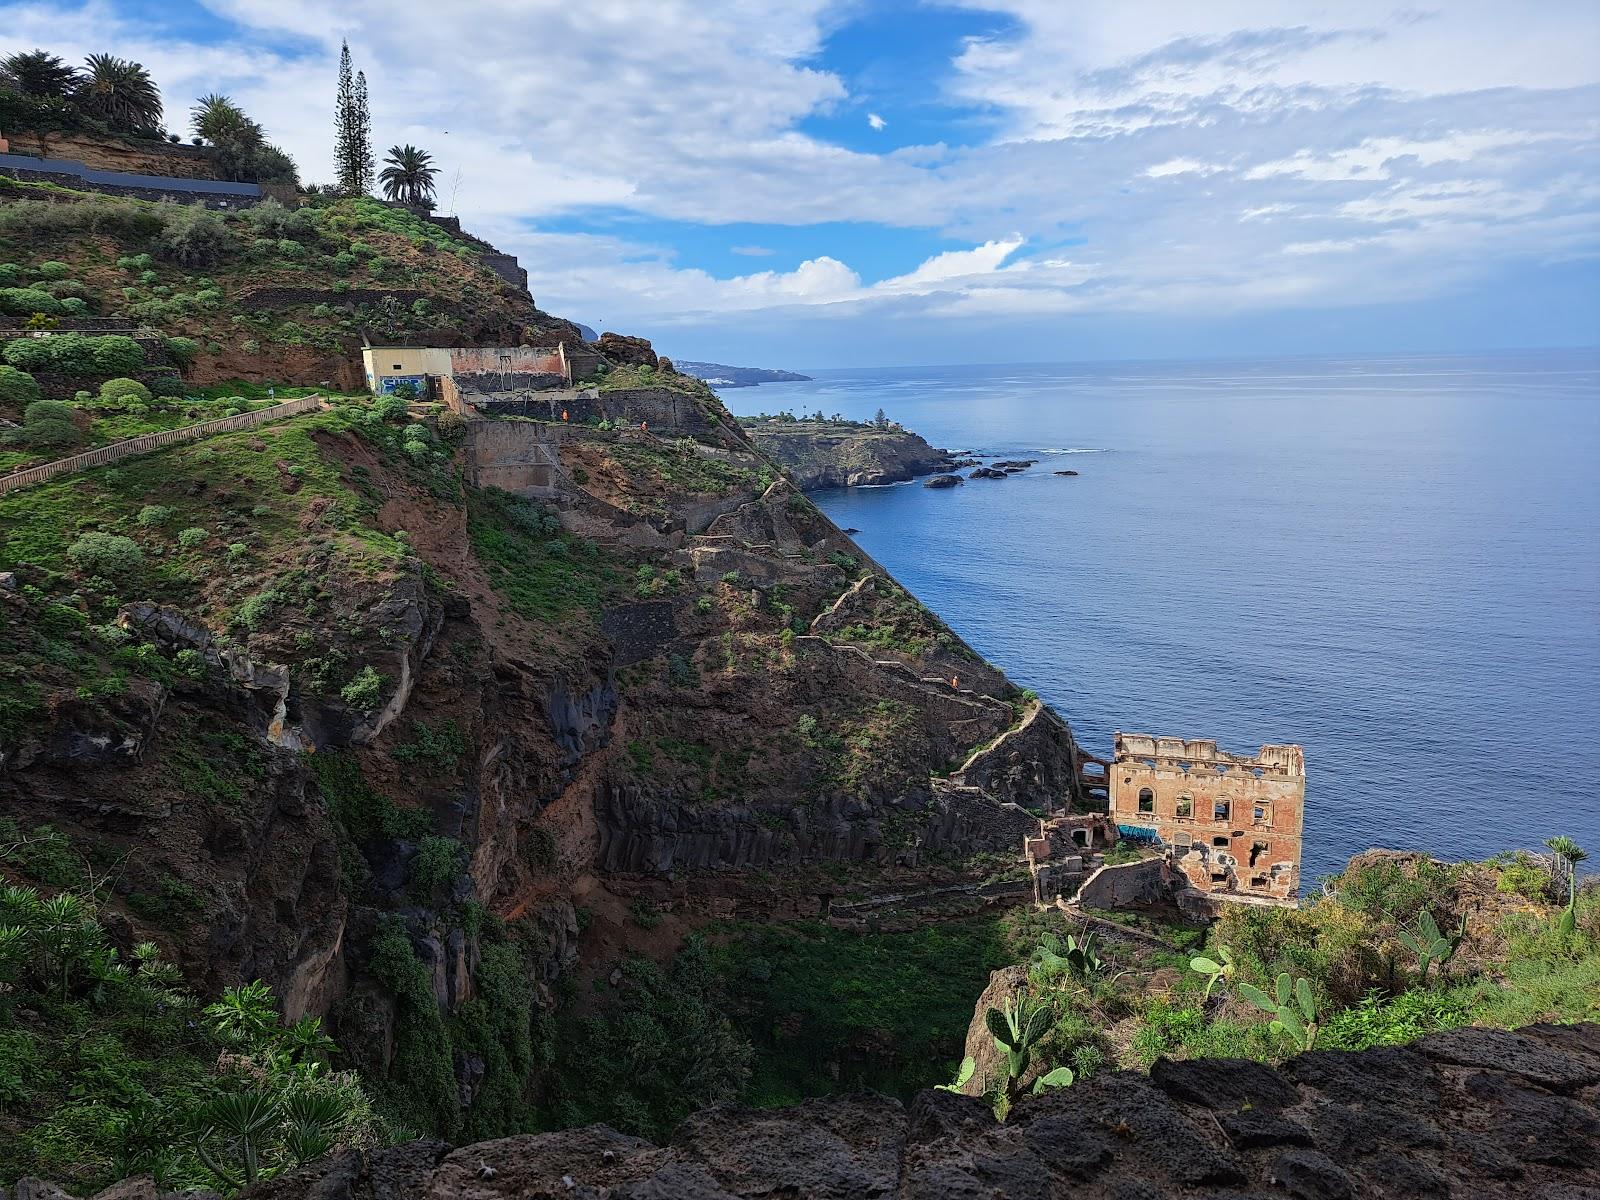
[(1065, 472), (1465, 1114), (944, 481), (986, 473), (1014, 464)]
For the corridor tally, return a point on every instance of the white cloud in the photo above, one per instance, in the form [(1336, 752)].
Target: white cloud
[(1197, 158)]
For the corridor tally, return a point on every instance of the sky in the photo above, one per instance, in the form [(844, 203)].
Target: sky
[(822, 183)]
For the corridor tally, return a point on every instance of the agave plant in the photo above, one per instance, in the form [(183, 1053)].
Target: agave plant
[(1294, 1008), (1225, 969), (1429, 944)]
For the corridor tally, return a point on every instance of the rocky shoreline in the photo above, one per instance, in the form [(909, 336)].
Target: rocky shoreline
[(833, 454)]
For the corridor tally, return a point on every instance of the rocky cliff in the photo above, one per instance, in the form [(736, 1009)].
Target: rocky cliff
[(829, 454), (1467, 1113), (317, 712)]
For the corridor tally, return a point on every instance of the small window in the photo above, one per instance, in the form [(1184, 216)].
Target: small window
[(1220, 811), (396, 367), (1258, 881), (1261, 813), (1221, 843), (1185, 805), (1219, 877), (1147, 800)]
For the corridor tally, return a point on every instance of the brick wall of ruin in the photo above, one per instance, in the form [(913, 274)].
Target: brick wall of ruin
[(1232, 823)]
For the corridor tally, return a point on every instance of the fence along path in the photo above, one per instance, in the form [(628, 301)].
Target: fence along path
[(147, 442)]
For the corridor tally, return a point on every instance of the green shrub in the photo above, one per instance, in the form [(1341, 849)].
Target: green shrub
[(364, 690), (17, 387), (182, 350), (119, 391), (1377, 1021), (442, 747), (108, 555), (436, 865), (194, 236), (77, 354), (47, 423), (24, 302), (153, 515), (53, 270), (191, 537)]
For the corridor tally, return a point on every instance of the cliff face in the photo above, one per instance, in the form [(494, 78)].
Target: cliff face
[(828, 454), (1468, 1113), (404, 702)]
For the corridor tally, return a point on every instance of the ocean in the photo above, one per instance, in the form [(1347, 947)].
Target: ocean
[(1394, 561)]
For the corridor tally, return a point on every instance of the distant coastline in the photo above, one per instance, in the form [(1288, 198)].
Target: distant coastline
[(723, 376)]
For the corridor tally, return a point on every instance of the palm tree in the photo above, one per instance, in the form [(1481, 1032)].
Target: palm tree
[(121, 93), (218, 120), (408, 177), (39, 74)]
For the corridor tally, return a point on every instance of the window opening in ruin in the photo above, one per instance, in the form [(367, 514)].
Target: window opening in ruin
[(1220, 811), (1183, 841), (1259, 881), (1257, 849), (1185, 805), (1219, 877), (1261, 813), (1080, 836), (1220, 842), (1147, 800)]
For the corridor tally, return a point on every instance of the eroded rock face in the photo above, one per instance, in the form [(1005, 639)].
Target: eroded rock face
[(634, 351), (1471, 1113), (825, 455)]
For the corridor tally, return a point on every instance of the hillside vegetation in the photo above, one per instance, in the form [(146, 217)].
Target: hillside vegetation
[(266, 293)]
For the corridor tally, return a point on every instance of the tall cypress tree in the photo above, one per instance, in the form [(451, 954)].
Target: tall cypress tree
[(353, 160), (363, 161)]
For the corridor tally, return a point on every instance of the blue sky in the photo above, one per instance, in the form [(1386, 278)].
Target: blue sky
[(843, 182)]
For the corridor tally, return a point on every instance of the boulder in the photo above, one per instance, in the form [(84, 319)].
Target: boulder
[(1066, 472), (633, 351), (986, 473), (944, 481)]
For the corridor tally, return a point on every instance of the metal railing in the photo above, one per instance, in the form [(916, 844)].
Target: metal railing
[(147, 442)]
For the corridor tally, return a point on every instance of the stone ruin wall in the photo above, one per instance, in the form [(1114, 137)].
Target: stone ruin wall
[(1232, 823)]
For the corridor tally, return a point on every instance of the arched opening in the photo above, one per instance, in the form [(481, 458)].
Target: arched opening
[(1185, 805), (1147, 800), (1220, 811)]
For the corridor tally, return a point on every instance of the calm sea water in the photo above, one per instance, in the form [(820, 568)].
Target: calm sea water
[(1393, 561)]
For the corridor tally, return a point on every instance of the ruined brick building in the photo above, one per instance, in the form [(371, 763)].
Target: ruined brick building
[(1230, 823)]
